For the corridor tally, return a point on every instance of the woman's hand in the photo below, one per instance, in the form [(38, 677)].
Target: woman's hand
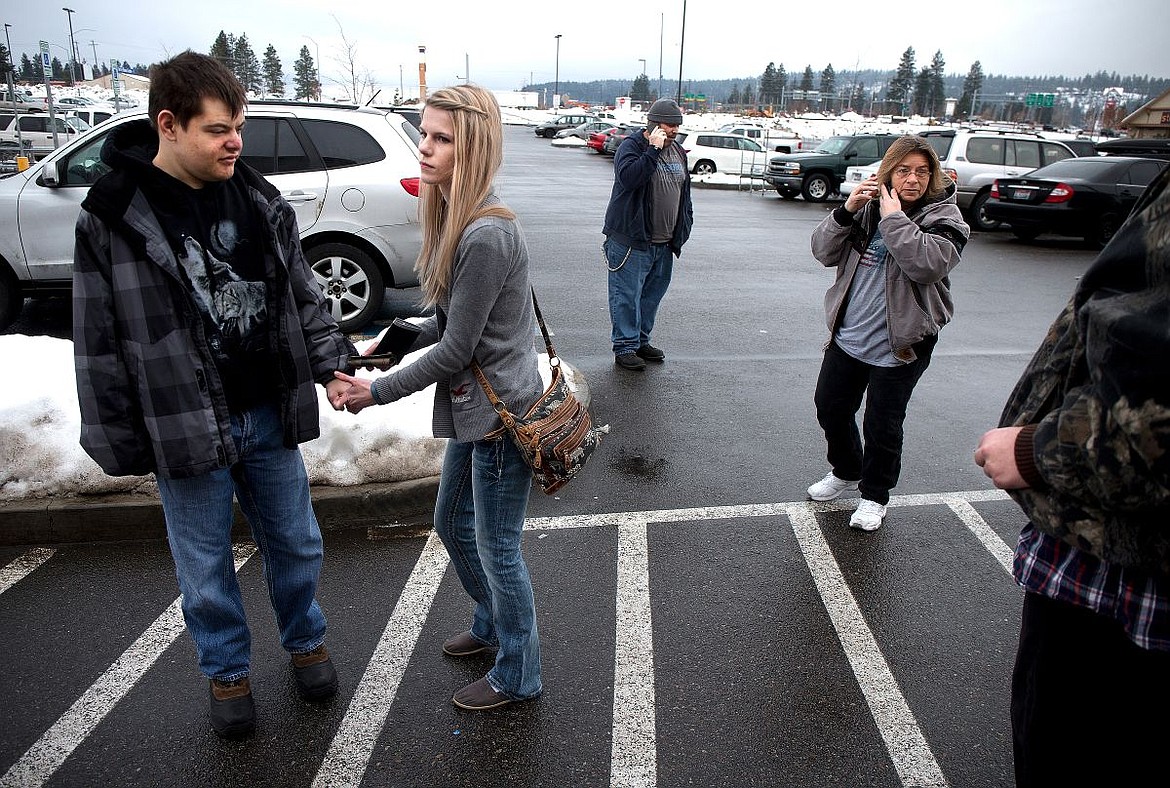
[(862, 194), (357, 397)]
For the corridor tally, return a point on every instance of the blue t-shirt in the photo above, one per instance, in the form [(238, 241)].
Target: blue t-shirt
[(863, 332)]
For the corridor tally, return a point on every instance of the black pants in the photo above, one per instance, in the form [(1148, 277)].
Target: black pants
[(1089, 707), (842, 383)]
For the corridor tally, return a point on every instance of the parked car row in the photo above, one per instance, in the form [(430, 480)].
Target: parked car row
[(350, 173)]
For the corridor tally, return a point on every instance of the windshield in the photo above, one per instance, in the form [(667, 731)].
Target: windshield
[(77, 123), (833, 145)]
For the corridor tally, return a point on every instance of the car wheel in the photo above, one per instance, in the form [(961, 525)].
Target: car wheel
[(816, 187), (11, 298), (704, 168), (351, 282), (979, 217), (1103, 231), (550, 133)]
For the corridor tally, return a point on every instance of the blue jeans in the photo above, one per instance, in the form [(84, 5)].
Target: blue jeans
[(637, 282), (479, 515), (842, 383), (273, 490)]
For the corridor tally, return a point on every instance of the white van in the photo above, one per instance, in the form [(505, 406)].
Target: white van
[(95, 114)]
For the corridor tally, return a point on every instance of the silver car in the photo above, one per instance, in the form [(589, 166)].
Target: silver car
[(350, 173)]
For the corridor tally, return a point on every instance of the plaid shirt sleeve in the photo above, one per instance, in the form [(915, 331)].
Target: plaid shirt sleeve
[(1046, 565)]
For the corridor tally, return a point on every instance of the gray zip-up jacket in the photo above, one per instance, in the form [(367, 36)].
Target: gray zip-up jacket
[(486, 315), (923, 245), (147, 383)]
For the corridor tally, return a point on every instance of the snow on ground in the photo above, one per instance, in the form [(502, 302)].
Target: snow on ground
[(40, 425)]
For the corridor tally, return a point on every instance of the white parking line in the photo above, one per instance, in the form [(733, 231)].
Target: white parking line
[(47, 754), (633, 760), (349, 755), (21, 567), (983, 532), (905, 744)]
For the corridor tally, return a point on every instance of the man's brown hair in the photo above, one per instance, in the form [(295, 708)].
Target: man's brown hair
[(181, 83)]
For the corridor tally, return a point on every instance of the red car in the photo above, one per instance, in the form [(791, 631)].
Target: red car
[(596, 140)]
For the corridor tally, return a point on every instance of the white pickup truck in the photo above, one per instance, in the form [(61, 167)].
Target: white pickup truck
[(772, 139)]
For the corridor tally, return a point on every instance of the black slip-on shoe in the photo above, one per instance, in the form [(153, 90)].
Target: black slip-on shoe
[(464, 645), (651, 353), (630, 361)]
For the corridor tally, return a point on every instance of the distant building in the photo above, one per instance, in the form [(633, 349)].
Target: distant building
[(1151, 120), (517, 99)]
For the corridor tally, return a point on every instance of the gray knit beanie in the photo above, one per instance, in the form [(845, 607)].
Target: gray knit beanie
[(665, 111)]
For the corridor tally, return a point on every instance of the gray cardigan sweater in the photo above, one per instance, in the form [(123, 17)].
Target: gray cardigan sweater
[(486, 315)]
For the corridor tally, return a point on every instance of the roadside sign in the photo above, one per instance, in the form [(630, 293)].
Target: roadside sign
[(46, 61)]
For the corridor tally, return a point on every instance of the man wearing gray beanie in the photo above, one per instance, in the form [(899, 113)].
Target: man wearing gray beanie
[(646, 224)]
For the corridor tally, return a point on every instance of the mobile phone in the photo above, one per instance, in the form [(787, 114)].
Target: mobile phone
[(398, 338)]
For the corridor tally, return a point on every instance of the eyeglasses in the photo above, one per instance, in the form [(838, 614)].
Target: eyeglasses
[(922, 173)]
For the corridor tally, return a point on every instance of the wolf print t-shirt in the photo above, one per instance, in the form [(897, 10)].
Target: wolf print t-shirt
[(216, 236)]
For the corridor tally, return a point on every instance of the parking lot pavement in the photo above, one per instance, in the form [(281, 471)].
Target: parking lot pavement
[(726, 645)]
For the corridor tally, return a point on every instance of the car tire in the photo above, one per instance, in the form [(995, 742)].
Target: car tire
[(11, 298), (1103, 231), (351, 281), (704, 167), (550, 133), (979, 218), (816, 187)]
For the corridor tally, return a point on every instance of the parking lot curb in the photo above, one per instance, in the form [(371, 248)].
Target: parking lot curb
[(132, 516)]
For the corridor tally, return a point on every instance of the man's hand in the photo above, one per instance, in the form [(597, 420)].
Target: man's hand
[(996, 455), (657, 138), (335, 390), (356, 396)]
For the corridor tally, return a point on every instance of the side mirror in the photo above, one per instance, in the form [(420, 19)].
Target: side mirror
[(50, 174)]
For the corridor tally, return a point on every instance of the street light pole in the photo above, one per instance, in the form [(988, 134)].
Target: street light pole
[(682, 41), (72, 49), (557, 77), (12, 89)]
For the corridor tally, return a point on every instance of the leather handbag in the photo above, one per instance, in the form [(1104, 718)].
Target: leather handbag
[(556, 436)]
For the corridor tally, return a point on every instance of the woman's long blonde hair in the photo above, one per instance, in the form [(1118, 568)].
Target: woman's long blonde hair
[(479, 152)]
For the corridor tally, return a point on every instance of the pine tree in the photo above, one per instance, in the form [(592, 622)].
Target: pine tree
[(733, 98), (806, 81), (28, 71), (903, 81), (273, 72), (769, 90), (247, 65), (222, 49), (938, 88), (828, 83), (305, 82), (972, 84), (922, 92)]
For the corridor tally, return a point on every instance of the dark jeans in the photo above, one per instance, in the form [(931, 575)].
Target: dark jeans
[(842, 383), (1089, 706)]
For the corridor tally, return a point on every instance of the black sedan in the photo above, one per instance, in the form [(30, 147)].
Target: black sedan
[(1085, 197)]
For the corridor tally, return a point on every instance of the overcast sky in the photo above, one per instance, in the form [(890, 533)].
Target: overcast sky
[(507, 43)]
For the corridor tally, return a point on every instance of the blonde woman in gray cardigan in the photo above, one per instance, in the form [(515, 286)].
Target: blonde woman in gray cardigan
[(474, 271)]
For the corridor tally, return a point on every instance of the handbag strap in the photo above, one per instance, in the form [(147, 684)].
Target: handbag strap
[(498, 403)]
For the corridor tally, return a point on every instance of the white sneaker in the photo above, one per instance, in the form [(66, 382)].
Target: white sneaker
[(829, 488), (868, 517)]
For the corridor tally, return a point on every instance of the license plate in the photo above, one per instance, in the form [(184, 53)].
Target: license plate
[(1021, 194)]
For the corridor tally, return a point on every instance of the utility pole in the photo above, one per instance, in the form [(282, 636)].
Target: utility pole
[(681, 42), (72, 49), (557, 78)]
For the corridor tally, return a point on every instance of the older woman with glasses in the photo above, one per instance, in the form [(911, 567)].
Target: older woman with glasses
[(893, 243)]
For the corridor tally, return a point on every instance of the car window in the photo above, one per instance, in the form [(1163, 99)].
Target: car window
[(271, 146), (342, 145), (750, 145), (1053, 153), (941, 144), (985, 150), (1142, 172), (84, 166), (1022, 153), (5, 121), (408, 128), (29, 123), (866, 146)]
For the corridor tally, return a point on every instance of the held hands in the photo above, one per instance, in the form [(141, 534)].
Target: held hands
[(354, 393), (870, 189), (657, 138)]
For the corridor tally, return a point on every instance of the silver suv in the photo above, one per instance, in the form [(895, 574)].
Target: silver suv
[(974, 159), (350, 173)]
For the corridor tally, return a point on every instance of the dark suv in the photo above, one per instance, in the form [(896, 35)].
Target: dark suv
[(817, 174)]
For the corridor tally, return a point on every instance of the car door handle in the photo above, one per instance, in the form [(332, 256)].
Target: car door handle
[(300, 196)]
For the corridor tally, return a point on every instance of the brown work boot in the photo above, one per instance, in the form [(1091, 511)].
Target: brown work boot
[(232, 712), (315, 674)]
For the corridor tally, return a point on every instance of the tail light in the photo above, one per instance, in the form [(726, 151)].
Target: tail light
[(952, 174), (411, 186), (1061, 193), (995, 190)]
